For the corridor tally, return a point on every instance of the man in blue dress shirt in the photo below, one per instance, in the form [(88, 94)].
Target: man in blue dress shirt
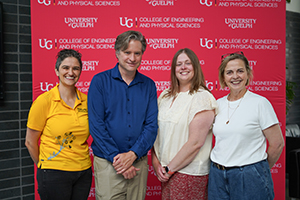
[(122, 108)]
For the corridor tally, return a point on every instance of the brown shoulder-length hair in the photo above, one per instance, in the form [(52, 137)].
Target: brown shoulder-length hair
[(197, 81)]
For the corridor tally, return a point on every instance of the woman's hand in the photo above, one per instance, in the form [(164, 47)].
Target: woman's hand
[(158, 169)]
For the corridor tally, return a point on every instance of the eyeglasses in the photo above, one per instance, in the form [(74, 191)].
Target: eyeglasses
[(231, 54)]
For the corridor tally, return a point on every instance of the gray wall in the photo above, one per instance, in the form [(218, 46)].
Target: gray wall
[(293, 6), (16, 167), (293, 62)]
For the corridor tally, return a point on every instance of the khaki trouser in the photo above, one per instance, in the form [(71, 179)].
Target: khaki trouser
[(112, 186)]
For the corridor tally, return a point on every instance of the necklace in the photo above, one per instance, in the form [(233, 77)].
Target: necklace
[(229, 117)]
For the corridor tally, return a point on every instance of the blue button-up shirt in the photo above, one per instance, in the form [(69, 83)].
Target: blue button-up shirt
[(122, 117)]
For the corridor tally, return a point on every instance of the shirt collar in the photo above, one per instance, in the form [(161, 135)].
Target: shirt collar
[(57, 96), (117, 75), (56, 93)]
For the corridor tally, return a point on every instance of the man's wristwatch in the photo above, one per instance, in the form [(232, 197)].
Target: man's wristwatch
[(168, 170)]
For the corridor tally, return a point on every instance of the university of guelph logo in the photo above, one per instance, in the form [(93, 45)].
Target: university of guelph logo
[(126, 22), (44, 2), (45, 86), (46, 44), (206, 43), (207, 3)]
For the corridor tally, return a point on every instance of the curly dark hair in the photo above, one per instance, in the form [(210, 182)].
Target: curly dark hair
[(65, 53)]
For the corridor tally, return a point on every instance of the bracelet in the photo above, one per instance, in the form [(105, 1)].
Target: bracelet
[(168, 170)]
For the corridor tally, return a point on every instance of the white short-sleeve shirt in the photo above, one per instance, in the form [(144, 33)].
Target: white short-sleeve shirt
[(241, 141)]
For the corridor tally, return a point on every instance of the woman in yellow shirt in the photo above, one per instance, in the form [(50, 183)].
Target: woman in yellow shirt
[(59, 119)]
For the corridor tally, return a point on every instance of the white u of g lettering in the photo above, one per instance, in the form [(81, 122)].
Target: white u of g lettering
[(207, 43), (48, 86), (44, 2), (127, 24), (205, 3), (47, 44)]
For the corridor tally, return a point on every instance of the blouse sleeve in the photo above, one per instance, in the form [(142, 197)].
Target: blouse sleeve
[(202, 100)]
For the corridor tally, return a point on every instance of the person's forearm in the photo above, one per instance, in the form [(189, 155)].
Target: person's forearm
[(198, 131), (148, 135), (185, 156), (276, 143), (155, 161), (154, 158), (32, 143), (274, 154), (33, 151), (158, 169)]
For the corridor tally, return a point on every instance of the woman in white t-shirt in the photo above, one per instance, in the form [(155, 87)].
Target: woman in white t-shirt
[(240, 168), (180, 155)]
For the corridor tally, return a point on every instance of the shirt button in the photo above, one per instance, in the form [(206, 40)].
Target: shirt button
[(129, 126), (128, 112)]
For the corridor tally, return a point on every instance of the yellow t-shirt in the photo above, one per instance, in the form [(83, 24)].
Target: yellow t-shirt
[(65, 130)]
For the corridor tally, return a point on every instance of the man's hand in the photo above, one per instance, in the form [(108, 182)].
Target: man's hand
[(124, 161), (130, 173)]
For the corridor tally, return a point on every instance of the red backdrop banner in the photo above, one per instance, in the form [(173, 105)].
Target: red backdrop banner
[(210, 28)]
